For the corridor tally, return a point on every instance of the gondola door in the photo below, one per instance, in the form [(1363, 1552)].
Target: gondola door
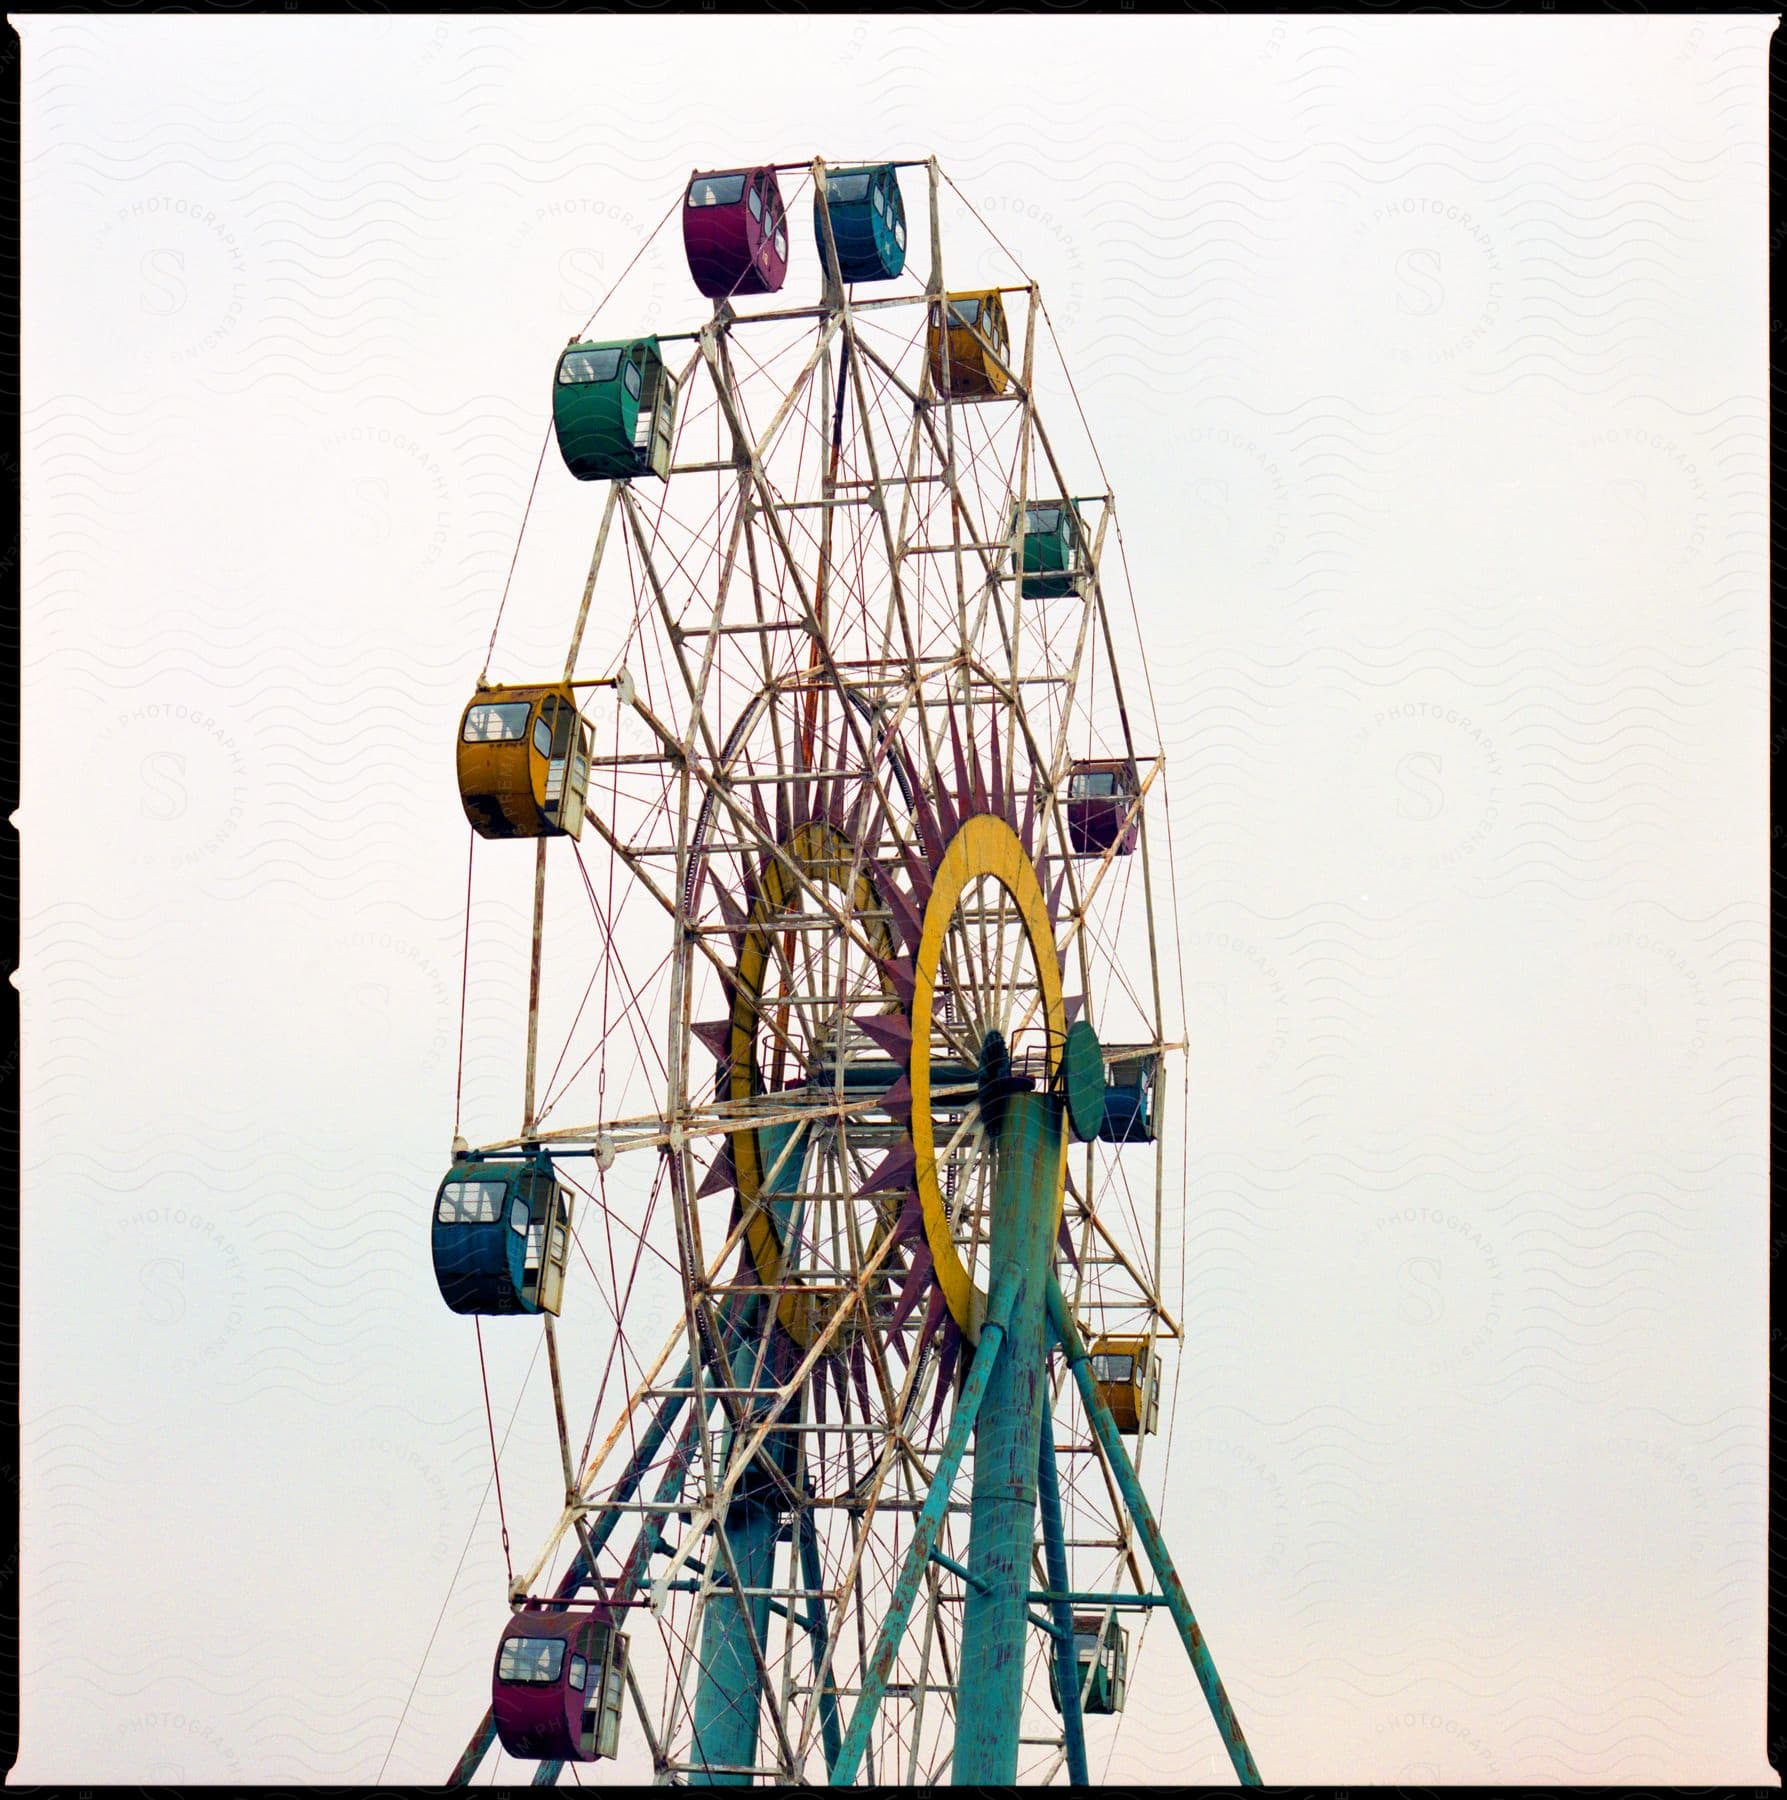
[(614, 1680), (557, 1212), (603, 1653), (577, 775), (586, 1676), (567, 767), (532, 1256), (663, 424)]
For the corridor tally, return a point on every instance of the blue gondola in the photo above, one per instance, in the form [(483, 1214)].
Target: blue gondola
[(502, 1234), (868, 222), (1129, 1098)]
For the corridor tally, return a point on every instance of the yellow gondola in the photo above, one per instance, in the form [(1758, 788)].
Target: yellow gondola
[(1128, 1377), (976, 324), (523, 762)]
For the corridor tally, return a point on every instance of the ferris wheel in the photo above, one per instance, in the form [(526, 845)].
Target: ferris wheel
[(860, 744)]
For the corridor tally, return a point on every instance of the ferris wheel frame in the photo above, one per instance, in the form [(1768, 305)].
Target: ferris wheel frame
[(938, 799)]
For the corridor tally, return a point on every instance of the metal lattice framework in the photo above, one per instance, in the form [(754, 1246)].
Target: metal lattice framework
[(834, 742)]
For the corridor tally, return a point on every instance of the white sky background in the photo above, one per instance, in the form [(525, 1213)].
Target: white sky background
[(1427, 360)]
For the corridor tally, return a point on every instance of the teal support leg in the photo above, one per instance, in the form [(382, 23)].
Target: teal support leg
[(830, 1725), (1079, 1360), (728, 1701), (734, 1626), (1002, 1531), (474, 1752), (925, 1530), (1054, 1549), (649, 1445)]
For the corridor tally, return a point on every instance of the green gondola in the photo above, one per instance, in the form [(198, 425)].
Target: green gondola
[(1101, 1655), (1052, 548), (613, 409)]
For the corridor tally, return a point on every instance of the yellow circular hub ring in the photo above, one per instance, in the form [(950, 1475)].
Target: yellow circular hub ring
[(826, 858), (985, 845)]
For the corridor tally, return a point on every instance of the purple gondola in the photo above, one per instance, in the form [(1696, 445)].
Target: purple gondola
[(1100, 794), (555, 1693), (735, 231)]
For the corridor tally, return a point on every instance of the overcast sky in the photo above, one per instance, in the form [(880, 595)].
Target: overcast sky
[(1427, 358)]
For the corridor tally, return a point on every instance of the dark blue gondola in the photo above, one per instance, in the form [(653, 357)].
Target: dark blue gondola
[(502, 1234), (1129, 1098)]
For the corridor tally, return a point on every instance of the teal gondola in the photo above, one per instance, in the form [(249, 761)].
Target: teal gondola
[(501, 1237), (1101, 1655), (868, 222)]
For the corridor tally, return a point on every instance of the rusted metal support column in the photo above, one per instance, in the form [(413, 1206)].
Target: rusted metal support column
[(727, 1700), (735, 1627), (728, 1704), (1148, 1529), (650, 1443), (812, 1573), (1054, 1560), (1002, 1528), (924, 1540), (474, 1752)]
